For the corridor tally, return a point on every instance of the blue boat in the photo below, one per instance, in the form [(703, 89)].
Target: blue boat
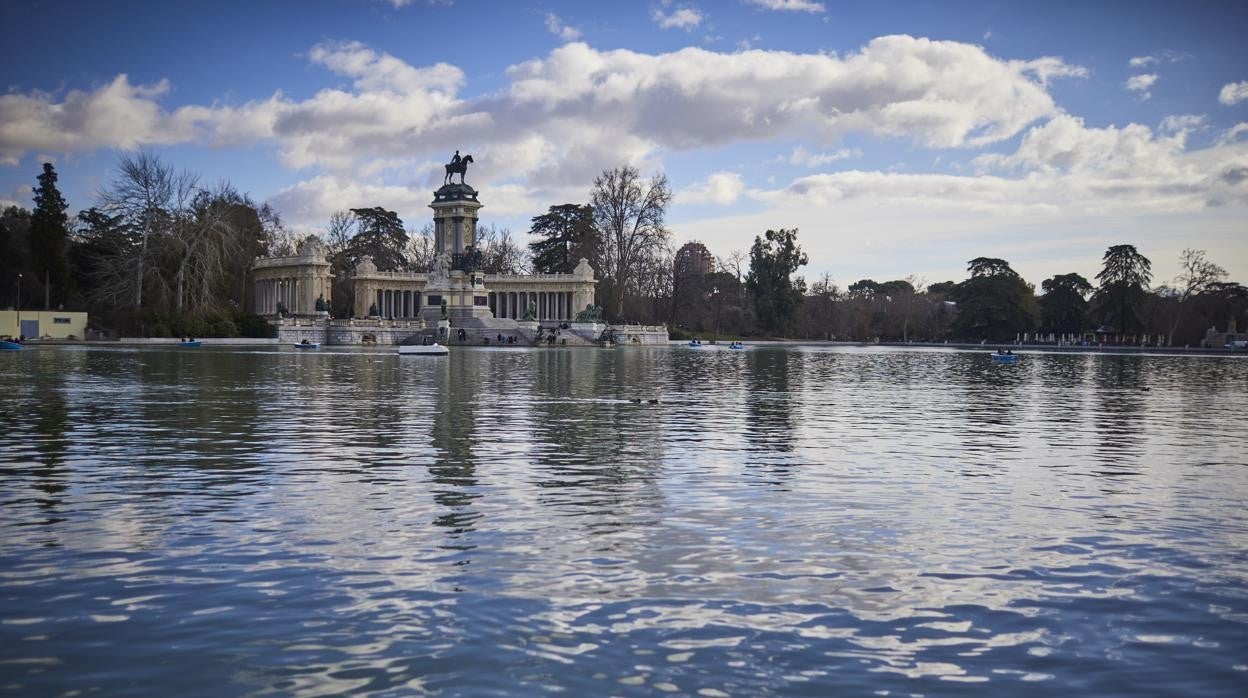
[(308, 345), (695, 343), (191, 344), (736, 345), (6, 345), (1005, 358)]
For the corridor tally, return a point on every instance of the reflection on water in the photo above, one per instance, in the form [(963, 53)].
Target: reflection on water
[(788, 521)]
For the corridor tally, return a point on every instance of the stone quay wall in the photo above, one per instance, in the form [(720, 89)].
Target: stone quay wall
[(481, 332)]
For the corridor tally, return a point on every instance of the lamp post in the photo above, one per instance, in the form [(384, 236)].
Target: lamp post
[(19, 306), (715, 295)]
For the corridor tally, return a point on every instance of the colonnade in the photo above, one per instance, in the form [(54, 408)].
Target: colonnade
[(397, 304), (284, 290), (550, 305)]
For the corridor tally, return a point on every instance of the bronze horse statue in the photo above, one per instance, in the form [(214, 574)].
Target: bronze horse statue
[(460, 167)]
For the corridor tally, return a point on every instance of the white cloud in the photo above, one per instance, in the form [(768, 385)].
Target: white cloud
[(119, 115), (684, 17), (309, 203), (805, 158), (1067, 189), (1231, 134), (556, 26), (1233, 93), (1177, 123), (1047, 68), (1141, 84), (1166, 56), (590, 108), (789, 5), (936, 93), (564, 117), (719, 188)]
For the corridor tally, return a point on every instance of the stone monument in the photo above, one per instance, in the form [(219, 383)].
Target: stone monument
[(454, 280)]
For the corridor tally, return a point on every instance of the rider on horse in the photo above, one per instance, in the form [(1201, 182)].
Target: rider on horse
[(457, 165)]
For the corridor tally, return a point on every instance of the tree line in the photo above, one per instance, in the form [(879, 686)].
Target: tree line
[(760, 293), (161, 252), (992, 304)]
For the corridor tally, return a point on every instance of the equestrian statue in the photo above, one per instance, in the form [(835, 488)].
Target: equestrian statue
[(457, 165)]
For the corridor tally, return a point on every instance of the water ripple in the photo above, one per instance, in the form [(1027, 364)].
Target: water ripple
[(796, 521)]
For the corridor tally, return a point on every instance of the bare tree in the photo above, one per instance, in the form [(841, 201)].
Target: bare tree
[(736, 263), (655, 284), (339, 231), (145, 192), (628, 216), (906, 299), (499, 251), (420, 248), (1196, 275), (207, 241)]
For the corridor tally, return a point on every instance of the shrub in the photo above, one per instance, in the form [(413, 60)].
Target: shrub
[(222, 327), (253, 326)]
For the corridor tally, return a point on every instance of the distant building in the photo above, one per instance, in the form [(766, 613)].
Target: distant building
[(43, 324), (693, 259), (1230, 339)]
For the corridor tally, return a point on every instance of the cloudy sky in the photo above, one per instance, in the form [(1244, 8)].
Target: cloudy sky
[(900, 138)]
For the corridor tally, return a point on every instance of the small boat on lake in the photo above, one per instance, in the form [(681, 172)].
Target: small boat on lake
[(433, 349), (695, 343), (736, 345), (7, 345), (305, 344), (190, 344), (1001, 358)]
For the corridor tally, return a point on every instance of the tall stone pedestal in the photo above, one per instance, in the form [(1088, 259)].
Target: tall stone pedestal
[(454, 279), (465, 296)]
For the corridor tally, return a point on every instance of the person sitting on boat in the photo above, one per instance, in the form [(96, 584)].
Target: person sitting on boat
[(304, 341)]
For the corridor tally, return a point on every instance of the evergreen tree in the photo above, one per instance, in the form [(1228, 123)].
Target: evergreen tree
[(995, 303), (773, 260), (14, 236), (381, 236), (1064, 305), (1123, 279), (565, 235), (49, 234)]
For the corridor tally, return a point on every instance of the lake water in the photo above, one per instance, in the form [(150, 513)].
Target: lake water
[(785, 521)]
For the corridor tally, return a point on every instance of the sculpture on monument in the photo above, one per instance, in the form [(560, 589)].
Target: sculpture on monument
[(530, 312), (591, 313), (457, 165), (441, 269), (321, 305)]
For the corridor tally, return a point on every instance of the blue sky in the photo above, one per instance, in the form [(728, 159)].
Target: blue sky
[(900, 138)]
